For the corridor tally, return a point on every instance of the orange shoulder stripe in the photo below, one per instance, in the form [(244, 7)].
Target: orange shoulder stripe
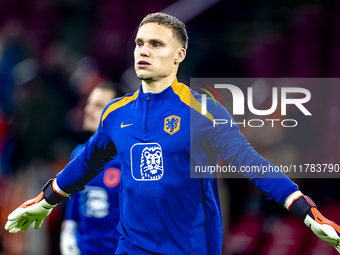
[(187, 97), (118, 104)]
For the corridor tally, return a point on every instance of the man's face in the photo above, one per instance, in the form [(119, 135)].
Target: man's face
[(95, 105), (156, 52)]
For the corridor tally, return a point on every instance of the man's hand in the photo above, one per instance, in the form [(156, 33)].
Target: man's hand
[(325, 229), (36, 209), (305, 209)]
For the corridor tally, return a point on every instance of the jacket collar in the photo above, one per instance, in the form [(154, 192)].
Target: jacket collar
[(161, 94)]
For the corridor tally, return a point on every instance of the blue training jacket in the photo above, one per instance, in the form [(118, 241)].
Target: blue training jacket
[(160, 138)]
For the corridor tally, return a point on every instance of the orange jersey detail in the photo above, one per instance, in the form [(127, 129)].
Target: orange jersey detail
[(118, 104), (187, 97)]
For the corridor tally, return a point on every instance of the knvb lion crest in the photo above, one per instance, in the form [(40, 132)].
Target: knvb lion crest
[(172, 124), (151, 163)]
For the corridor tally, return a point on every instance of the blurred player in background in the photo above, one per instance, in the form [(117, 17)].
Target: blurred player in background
[(163, 210), (92, 215)]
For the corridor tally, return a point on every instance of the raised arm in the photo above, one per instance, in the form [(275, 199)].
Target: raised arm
[(235, 150)]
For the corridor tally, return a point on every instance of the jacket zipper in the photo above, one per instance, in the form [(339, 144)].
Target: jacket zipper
[(146, 115)]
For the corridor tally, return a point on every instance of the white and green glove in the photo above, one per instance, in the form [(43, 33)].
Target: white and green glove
[(305, 209), (36, 209)]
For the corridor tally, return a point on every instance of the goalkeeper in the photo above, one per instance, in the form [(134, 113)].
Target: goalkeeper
[(162, 209), (92, 215)]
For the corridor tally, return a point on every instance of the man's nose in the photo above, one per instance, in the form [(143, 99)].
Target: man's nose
[(88, 109), (144, 51)]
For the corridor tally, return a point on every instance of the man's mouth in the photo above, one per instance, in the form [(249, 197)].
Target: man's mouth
[(143, 63)]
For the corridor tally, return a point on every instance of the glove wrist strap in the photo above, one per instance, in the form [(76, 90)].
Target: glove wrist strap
[(51, 195), (301, 207)]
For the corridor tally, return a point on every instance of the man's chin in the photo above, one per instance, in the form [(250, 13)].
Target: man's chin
[(145, 78), (90, 129)]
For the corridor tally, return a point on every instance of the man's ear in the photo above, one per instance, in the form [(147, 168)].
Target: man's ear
[(181, 53)]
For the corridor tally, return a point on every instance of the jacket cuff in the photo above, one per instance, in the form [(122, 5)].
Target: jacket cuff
[(52, 193)]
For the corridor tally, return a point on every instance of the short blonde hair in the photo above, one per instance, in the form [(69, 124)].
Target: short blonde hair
[(177, 27)]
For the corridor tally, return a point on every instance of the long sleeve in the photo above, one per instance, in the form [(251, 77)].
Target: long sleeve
[(99, 150), (227, 141)]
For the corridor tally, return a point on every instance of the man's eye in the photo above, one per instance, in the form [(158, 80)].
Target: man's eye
[(156, 45), (139, 44)]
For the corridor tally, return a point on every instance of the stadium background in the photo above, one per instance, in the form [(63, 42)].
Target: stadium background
[(52, 53)]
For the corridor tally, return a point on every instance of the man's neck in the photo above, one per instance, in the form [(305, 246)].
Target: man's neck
[(157, 86)]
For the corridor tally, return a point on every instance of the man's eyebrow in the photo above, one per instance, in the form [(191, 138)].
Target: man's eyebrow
[(157, 41), (151, 40)]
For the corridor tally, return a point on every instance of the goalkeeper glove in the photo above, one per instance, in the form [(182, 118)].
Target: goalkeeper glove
[(36, 209), (68, 241), (305, 209)]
